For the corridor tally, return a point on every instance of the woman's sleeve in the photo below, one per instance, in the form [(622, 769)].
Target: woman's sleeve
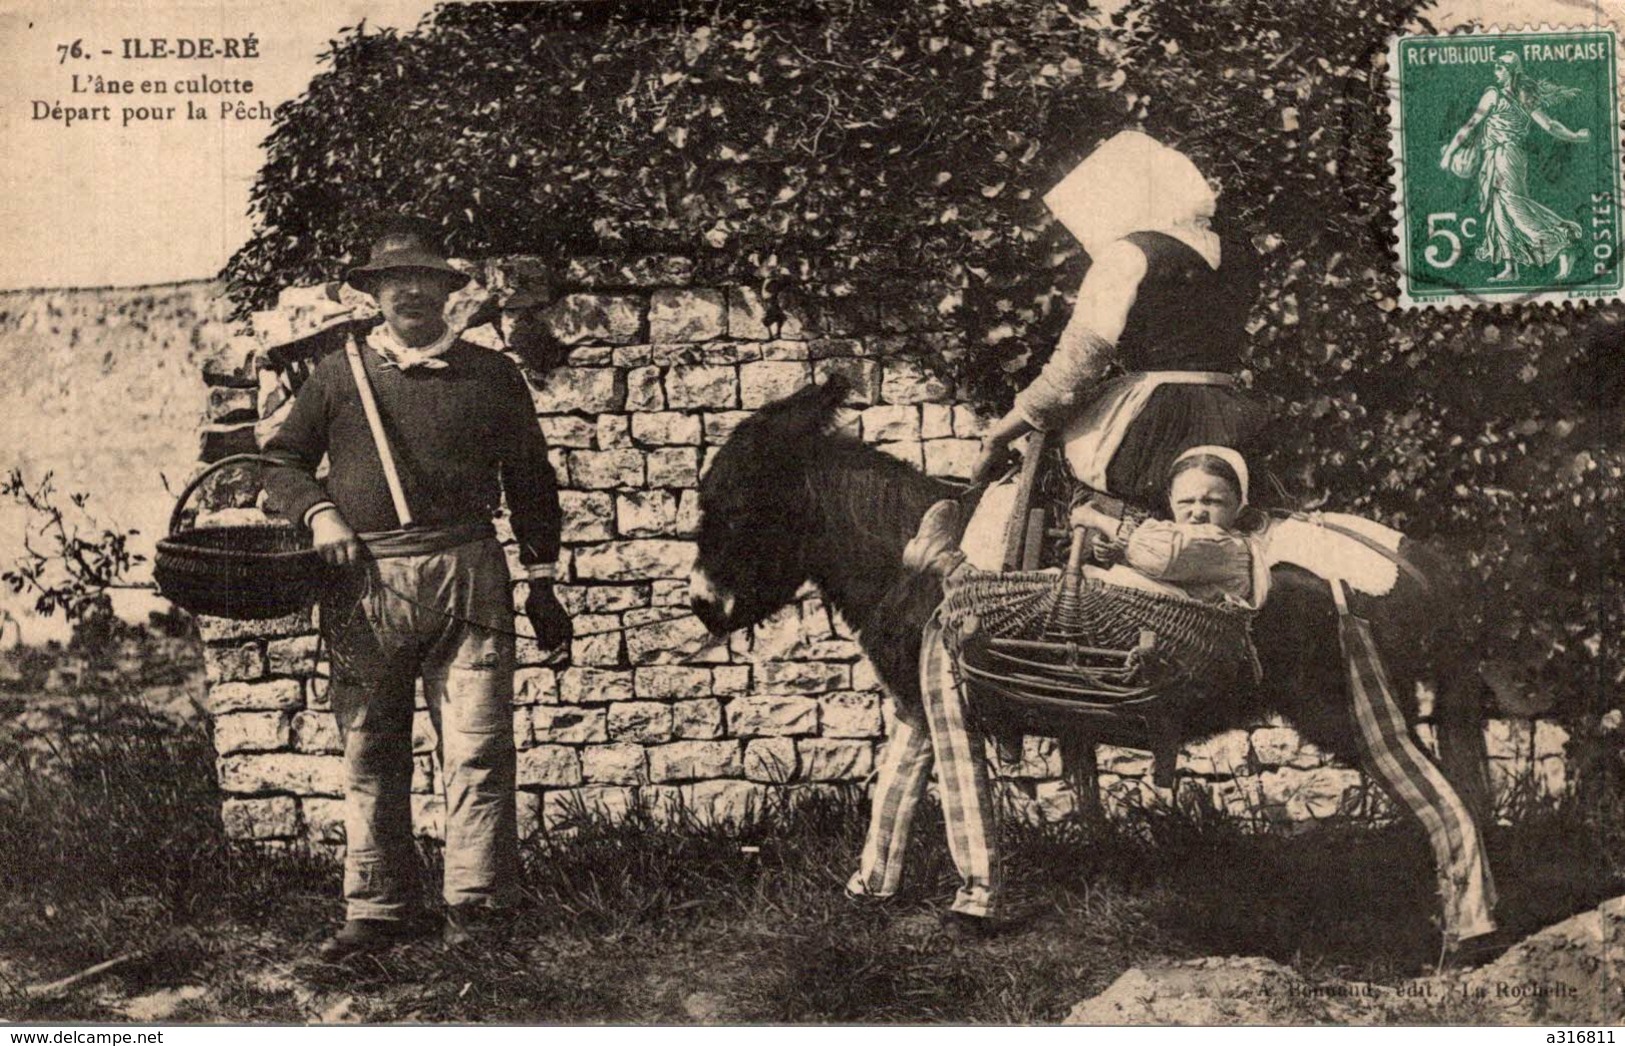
[(1089, 341), (1185, 552)]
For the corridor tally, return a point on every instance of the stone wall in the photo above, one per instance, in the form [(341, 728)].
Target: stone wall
[(653, 711)]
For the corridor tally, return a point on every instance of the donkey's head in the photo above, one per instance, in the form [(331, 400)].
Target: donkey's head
[(757, 512)]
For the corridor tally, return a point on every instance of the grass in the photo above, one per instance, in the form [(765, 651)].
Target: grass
[(112, 843)]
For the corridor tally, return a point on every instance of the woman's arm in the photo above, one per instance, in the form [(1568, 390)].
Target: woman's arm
[(1554, 127), (1081, 356), (1187, 552), (1491, 95)]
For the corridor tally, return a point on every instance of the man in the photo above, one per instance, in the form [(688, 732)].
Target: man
[(427, 599)]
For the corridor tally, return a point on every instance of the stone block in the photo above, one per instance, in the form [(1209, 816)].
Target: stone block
[(232, 362), (1038, 758), (672, 681), (611, 319), (549, 766), (591, 804), (687, 315), (951, 457), (613, 432), (1124, 762), (1313, 794), (298, 773), (535, 686), (291, 656), (677, 640), (835, 759), (1508, 738), (763, 383), (229, 406), (688, 513), (617, 764), (702, 386), (851, 714), (590, 356), (592, 686), (580, 390), (936, 421), (906, 451), (782, 350), (906, 381), (1551, 777), (890, 423), (225, 629), (646, 513), (640, 721), (671, 592), (730, 679), (275, 817), (317, 733), (968, 424), (719, 426), (1056, 800), (771, 759), (271, 695), (600, 651), (862, 379), (803, 677), (224, 664), (635, 560), (644, 389), (666, 429), (588, 515), (1550, 739), (651, 270), (721, 804), (698, 719), (710, 354), (250, 732), (694, 760), (1222, 754), (568, 431), (674, 467), (756, 715), (568, 724), (323, 819), (1275, 745), (606, 469), (747, 316)]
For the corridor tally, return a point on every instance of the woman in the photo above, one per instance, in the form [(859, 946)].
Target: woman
[(1490, 146), (1157, 308)]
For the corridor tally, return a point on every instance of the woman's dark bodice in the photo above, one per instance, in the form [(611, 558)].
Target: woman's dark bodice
[(1186, 316)]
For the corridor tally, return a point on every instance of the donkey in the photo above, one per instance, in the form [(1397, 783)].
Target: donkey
[(787, 501)]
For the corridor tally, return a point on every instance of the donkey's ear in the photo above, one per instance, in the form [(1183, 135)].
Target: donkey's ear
[(809, 408)]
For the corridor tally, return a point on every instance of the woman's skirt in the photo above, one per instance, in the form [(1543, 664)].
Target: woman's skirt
[(1126, 440)]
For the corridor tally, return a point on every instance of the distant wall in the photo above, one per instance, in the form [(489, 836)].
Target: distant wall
[(104, 387)]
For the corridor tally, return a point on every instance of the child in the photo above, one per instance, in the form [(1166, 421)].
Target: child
[(1208, 551)]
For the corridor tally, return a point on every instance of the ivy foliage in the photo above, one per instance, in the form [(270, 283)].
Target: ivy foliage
[(898, 152)]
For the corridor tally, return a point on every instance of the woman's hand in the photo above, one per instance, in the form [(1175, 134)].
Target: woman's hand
[(993, 458), (1445, 154)]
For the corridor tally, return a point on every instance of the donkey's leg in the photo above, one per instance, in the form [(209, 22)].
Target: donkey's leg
[(1082, 772), (1466, 891), (1458, 722)]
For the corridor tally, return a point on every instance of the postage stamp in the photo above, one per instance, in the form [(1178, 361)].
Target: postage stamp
[(1506, 154)]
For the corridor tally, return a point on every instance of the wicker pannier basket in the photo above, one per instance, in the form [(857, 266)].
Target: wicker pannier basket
[(247, 572), (1031, 646)]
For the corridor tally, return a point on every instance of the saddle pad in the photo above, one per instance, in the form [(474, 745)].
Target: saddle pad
[(983, 540), (1333, 556)]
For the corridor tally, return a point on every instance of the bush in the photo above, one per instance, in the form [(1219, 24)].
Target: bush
[(899, 152)]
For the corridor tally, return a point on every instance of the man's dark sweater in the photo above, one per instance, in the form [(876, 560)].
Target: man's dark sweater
[(455, 431)]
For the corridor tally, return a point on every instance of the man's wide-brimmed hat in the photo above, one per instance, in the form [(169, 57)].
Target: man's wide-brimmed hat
[(400, 249)]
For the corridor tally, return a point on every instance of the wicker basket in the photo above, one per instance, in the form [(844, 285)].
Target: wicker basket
[(1052, 641), (247, 572)]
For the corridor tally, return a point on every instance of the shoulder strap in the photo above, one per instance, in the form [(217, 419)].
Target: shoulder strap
[(369, 406)]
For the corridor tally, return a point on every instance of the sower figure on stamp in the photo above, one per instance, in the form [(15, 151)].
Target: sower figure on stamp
[(426, 591)]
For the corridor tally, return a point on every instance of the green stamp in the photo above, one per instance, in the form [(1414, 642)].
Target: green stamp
[(1506, 152)]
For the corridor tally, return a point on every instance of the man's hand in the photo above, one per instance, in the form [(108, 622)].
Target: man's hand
[(549, 621), (335, 542)]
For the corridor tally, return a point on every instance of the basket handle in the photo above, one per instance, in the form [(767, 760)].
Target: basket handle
[(230, 459)]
